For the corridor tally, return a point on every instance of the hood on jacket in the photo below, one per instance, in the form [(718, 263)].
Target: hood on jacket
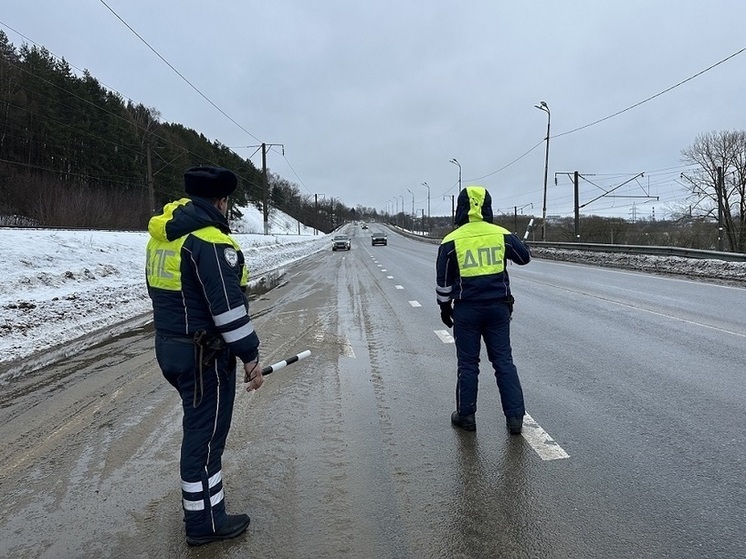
[(474, 204), (184, 216)]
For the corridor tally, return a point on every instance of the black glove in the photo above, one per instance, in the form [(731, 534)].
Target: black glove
[(446, 314)]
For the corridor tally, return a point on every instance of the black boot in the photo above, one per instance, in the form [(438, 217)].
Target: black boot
[(465, 422), (514, 424), (234, 525)]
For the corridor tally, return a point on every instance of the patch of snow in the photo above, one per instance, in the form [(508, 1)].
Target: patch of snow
[(676, 265), (65, 289)]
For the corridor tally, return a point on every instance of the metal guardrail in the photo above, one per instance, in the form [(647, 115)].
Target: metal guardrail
[(643, 249), (624, 249)]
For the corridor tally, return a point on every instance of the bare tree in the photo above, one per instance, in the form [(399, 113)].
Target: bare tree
[(724, 199)]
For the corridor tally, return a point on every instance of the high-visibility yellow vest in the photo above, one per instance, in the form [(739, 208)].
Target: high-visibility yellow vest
[(480, 248), (163, 257)]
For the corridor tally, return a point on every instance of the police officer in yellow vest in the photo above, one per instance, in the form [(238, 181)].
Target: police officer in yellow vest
[(197, 277), (473, 292)]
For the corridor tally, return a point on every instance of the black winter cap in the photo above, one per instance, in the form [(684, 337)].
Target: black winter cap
[(209, 182)]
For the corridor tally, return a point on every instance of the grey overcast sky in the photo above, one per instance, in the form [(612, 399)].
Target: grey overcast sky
[(371, 99)]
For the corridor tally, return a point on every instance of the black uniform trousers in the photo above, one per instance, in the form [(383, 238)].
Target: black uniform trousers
[(474, 321), (208, 408)]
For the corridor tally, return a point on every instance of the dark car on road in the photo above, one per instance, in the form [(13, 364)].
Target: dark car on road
[(341, 242), (378, 239)]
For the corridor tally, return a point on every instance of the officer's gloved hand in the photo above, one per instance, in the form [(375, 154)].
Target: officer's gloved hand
[(446, 314)]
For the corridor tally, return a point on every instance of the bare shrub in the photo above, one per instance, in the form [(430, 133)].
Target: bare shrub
[(68, 204)]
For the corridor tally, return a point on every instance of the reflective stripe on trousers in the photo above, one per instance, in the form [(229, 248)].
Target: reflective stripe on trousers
[(205, 429)]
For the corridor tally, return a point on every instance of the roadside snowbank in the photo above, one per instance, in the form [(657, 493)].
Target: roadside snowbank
[(63, 290), (690, 267)]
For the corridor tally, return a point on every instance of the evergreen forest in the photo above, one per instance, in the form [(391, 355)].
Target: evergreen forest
[(75, 154)]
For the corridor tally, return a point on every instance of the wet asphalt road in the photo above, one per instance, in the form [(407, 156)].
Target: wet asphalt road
[(350, 453)]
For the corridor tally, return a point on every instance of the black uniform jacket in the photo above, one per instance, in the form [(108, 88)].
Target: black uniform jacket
[(197, 276)]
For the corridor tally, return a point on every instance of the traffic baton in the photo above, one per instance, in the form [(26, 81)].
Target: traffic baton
[(285, 362), (528, 229)]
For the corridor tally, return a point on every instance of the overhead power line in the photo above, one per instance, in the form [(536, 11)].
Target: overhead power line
[(103, 109), (60, 58), (82, 72), (296, 174), (95, 105), (194, 87), (87, 101), (682, 82), (516, 160)]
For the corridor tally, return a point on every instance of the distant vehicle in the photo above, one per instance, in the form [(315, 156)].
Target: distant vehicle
[(341, 242), (364, 226), (378, 239)]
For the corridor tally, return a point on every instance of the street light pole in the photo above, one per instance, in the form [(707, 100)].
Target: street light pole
[(428, 205), (412, 193), (542, 106), (455, 162)]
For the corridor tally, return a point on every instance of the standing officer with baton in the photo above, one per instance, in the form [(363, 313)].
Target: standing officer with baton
[(473, 292), (197, 277)]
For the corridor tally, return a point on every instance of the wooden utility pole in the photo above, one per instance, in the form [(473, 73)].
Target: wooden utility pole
[(265, 189), (575, 179), (515, 218), (720, 190), (265, 182)]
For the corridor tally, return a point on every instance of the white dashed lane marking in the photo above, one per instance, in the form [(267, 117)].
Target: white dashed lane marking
[(347, 350), (444, 336), (389, 277), (414, 304), (544, 445), (399, 286), (540, 441)]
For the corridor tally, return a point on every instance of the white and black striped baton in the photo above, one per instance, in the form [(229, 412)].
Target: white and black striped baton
[(285, 362), (529, 227)]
